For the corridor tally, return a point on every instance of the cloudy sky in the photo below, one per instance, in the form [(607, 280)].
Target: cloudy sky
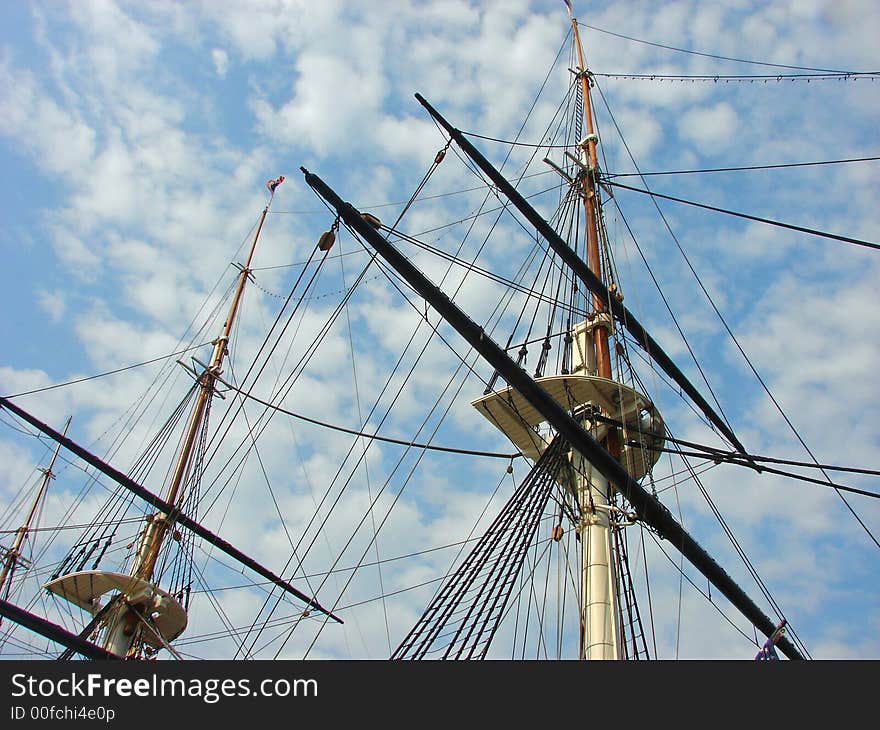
[(135, 143)]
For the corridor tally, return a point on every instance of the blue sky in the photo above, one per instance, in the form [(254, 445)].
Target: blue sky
[(136, 140)]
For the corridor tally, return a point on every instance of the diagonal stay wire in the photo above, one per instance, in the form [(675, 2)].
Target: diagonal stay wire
[(769, 221), (712, 55)]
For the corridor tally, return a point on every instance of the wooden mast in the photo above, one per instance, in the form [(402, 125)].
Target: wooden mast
[(125, 625), (11, 559), (600, 627), (154, 533), (588, 186)]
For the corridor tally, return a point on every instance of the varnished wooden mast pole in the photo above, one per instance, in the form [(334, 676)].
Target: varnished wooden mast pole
[(588, 183), (11, 560), (121, 632), (600, 628), (154, 533)]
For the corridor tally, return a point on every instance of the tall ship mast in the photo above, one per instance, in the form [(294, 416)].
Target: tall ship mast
[(13, 556), (433, 428), (140, 617), (133, 617)]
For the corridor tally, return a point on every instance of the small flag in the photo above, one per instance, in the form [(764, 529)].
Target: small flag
[(272, 184), (568, 5)]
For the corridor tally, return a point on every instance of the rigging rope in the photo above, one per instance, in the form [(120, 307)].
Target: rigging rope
[(609, 176), (105, 374), (713, 55), (801, 229), (808, 77)]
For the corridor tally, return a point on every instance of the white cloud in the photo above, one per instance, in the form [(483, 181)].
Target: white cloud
[(220, 59), (713, 128), (320, 120), (53, 303)]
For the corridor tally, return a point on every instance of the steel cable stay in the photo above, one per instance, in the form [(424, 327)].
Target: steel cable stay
[(459, 250), (129, 417), (695, 478), (460, 544), (280, 393), (219, 437), (357, 397), (230, 631), (271, 491), (284, 620), (528, 571), (713, 55), (63, 525), (673, 387), (378, 400), (739, 78), (737, 214), (527, 585), (738, 548), (440, 635), (160, 383), (414, 467), (217, 431), (512, 284), (719, 458), (40, 575), (470, 536), (298, 446), (717, 455), (515, 551), (542, 614), (609, 177), (107, 373), (513, 526), (496, 594)]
